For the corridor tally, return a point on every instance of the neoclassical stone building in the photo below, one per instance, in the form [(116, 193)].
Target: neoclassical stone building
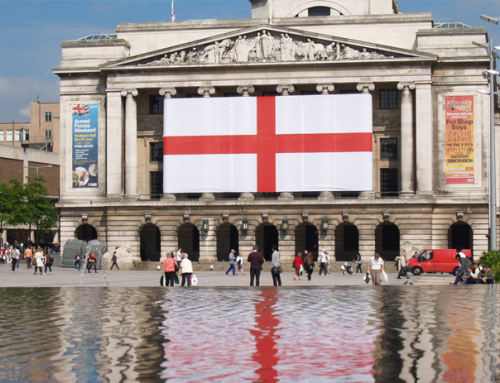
[(418, 73)]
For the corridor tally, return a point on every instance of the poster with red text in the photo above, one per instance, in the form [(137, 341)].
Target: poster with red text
[(459, 117)]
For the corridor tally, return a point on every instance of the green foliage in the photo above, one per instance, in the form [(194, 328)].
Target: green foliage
[(492, 260)]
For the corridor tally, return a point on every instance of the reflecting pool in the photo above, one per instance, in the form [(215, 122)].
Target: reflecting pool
[(338, 334)]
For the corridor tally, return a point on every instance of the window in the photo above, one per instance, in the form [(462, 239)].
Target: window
[(348, 91), (26, 135), (389, 148), (17, 137), (388, 99), (48, 116), (1, 136), (156, 184), (156, 104), (389, 182), (48, 134), (319, 11), (156, 151), (9, 135)]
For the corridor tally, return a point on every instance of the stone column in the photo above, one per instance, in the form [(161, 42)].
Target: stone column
[(206, 91), (168, 93), (130, 142), (407, 144), (285, 90), (325, 88), (424, 141), (366, 88), (208, 243), (114, 147), (245, 90)]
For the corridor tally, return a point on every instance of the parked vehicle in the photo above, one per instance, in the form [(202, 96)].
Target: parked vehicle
[(436, 261)]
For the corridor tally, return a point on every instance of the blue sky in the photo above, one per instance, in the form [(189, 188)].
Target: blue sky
[(32, 30)]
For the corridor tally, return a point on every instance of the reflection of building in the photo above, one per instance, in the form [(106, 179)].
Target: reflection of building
[(410, 68)]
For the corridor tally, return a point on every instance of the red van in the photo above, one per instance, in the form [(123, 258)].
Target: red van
[(436, 261)]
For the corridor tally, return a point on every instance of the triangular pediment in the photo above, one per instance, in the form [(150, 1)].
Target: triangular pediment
[(268, 44)]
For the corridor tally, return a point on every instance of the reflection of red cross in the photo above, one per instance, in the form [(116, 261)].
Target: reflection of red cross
[(266, 144)]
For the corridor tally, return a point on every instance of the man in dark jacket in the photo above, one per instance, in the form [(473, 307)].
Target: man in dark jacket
[(486, 276), (256, 260), (465, 263)]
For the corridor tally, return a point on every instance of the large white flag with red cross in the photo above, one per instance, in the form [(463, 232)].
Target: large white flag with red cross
[(268, 144)]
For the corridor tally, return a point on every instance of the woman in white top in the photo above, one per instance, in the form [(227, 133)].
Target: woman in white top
[(39, 260), (239, 262), (375, 269), (187, 270)]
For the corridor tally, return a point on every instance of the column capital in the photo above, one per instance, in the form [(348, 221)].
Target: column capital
[(325, 88), (130, 92), (206, 91), (407, 85), (245, 90), (168, 92), (285, 90), (365, 87)]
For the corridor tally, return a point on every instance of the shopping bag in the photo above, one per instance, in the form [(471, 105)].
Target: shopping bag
[(384, 277), (194, 280), (162, 280), (176, 279)]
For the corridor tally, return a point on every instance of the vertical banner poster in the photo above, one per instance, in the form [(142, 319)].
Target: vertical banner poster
[(459, 116), (85, 145)]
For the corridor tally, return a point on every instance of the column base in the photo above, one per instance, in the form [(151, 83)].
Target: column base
[(285, 196), (114, 197), (367, 195), (207, 197), (425, 194), (130, 198), (246, 197), (168, 197), (407, 194), (326, 195)]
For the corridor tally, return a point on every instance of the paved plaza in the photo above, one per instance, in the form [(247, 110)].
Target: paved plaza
[(64, 277)]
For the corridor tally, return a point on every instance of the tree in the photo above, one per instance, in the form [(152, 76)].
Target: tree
[(11, 203)]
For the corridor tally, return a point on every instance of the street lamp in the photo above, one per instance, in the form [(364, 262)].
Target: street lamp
[(38, 167)]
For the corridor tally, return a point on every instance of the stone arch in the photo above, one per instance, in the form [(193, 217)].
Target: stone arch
[(319, 3), (346, 241), (150, 242), (227, 239), (86, 232), (387, 240), (306, 238), (460, 234), (188, 239), (266, 235)]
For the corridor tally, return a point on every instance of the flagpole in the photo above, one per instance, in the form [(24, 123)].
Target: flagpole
[(173, 14)]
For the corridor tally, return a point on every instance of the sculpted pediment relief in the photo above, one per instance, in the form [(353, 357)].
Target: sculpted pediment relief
[(268, 45)]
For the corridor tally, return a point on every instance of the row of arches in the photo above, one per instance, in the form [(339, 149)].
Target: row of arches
[(387, 239)]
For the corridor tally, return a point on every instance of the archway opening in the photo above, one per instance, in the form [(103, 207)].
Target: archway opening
[(227, 239), (346, 242), (150, 238), (460, 235), (387, 241), (306, 238), (266, 236), (189, 241), (86, 232)]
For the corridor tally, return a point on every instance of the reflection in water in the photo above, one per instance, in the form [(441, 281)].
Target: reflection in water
[(343, 334)]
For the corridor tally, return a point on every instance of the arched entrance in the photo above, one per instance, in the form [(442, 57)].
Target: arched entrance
[(387, 241), (346, 242), (460, 235), (188, 238), (150, 238), (227, 239), (306, 238), (86, 232), (266, 236)]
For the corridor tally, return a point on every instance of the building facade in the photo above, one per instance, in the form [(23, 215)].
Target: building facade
[(417, 73)]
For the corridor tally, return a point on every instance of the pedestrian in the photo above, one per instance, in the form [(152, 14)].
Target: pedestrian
[(92, 262), (486, 276), (2, 255), (170, 266), (231, 262), (256, 260), (465, 263), (239, 262), (78, 261), (297, 264), (179, 256), (48, 261), (39, 260), (323, 264), (375, 268), (114, 259), (28, 255), (187, 270), (309, 266), (14, 254), (359, 262), (403, 268), (276, 266)]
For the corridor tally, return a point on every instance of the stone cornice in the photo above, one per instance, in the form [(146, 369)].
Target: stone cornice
[(94, 43)]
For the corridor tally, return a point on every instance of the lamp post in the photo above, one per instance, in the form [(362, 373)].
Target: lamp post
[(37, 167)]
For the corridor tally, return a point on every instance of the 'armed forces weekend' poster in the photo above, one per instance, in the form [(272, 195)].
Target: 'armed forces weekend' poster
[(459, 114), (85, 145)]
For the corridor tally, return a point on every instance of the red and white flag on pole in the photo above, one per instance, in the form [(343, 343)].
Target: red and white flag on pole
[(173, 13), (268, 144)]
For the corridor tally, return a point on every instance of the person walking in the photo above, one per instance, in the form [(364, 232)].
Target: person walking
[(14, 254), (78, 261), (297, 263), (403, 269), (375, 269), (187, 270), (39, 260), (239, 262), (28, 255), (256, 260), (276, 266), (359, 262), (309, 266), (48, 261), (114, 259), (231, 262), (179, 256), (92, 262), (170, 266), (324, 262)]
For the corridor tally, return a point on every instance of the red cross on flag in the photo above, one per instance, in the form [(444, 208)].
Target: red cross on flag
[(268, 144)]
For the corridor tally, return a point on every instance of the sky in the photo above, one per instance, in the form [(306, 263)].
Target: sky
[(31, 32)]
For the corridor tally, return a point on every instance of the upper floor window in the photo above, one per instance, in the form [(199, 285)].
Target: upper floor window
[(26, 135), (48, 116), (319, 11), (156, 184), (156, 151), (1, 136), (17, 137), (389, 181), (48, 134), (156, 104), (8, 135), (388, 99), (389, 148)]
